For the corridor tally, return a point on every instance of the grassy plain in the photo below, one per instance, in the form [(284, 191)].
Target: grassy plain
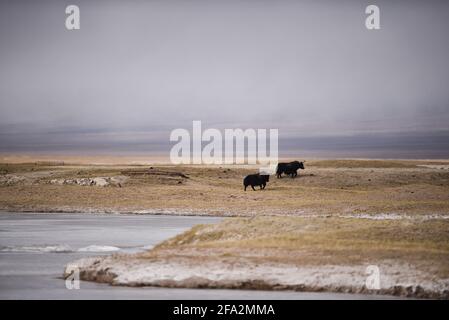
[(316, 232)]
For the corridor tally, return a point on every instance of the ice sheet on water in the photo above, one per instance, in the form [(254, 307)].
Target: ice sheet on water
[(98, 248), (58, 248)]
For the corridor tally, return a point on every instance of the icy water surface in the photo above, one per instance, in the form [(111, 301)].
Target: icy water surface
[(34, 248)]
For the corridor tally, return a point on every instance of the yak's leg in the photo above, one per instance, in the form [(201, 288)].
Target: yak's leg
[(245, 188), (252, 186)]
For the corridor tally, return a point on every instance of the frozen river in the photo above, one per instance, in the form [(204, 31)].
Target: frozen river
[(34, 248)]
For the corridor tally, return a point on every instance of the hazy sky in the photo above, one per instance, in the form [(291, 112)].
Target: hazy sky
[(137, 69)]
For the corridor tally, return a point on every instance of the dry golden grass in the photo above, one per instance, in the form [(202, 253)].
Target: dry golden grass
[(316, 241), (325, 187)]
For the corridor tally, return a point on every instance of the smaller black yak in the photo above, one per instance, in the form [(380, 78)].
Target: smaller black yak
[(256, 180), (289, 169)]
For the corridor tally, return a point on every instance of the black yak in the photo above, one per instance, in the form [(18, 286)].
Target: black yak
[(256, 180), (289, 169)]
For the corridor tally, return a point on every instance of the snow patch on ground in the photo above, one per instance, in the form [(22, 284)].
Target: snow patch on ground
[(434, 166)]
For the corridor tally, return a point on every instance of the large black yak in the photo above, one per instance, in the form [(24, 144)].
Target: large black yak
[(289, 169), (256, 180)]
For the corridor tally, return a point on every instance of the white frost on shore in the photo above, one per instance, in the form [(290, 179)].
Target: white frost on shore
[(397, 279), (394, 216), (434, 166)]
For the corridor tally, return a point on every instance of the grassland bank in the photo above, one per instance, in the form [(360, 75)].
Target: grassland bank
[(295, 253), (325, 187)]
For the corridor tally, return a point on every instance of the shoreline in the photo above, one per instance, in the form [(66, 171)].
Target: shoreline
[(192, 213), (102, 211), (288, 253)]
